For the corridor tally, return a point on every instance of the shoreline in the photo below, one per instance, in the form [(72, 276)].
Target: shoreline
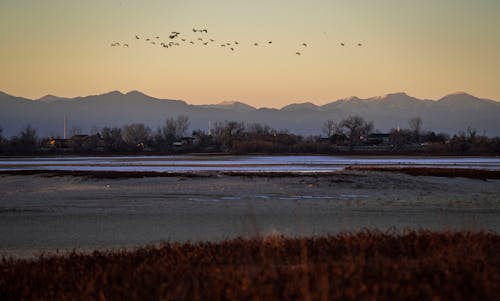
[(470, 173)]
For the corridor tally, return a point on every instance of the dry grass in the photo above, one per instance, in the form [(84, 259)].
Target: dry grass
[(360, 266)]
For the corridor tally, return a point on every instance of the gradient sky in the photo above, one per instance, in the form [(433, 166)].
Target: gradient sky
[(427, 48)]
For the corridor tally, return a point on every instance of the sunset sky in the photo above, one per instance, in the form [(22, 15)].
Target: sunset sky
[(427, 48)]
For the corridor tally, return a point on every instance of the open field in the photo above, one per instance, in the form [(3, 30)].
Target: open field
[(358, 266)]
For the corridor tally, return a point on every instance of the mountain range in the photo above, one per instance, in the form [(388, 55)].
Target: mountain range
[(450, 114)]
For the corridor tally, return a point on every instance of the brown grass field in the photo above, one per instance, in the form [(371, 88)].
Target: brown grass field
[(414, 265)]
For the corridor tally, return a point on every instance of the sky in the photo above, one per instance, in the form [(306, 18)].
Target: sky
[(426, 48)]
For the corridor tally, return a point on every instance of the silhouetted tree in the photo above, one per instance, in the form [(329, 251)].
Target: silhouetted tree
[(136, 135), (113, 141), (1, 140), (226, 132), (174, 129), (25, 142), (399, 138), (354, 128), (415, 125)]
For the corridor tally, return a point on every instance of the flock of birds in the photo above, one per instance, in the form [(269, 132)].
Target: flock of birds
[(175, 39)]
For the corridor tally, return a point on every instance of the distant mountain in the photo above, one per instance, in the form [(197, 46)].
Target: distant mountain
[(452, 113), (232, 106), (305, 106)]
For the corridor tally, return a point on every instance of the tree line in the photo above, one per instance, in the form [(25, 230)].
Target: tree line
[(352, 134)]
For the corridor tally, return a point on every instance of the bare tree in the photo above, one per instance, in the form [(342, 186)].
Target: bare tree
[(355, 127), (175, 129), (113, 140), (415, 125), (225, 132), (330, 128), (260, 129), (136, 134)]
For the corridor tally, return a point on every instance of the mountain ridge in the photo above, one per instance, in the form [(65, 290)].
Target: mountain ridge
[(115, 108)]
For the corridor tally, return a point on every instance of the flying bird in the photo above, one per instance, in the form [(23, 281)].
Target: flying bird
[(232, 49), (206, 43), (359, 44), (184, 40), (297, 53), (212, 40), (236, 43), (147, 39), (256, 44), (191, 42), (204, 30), (137, 37), (195, 30), (157, 37), (304, 44), (342, 44)]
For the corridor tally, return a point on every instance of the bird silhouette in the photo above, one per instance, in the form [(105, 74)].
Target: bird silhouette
[(195, 30), (125, 45), (342, 44), (232, 49), (359, 44), (212, 40), (204, 30), (228, 44), (297, 53), (236, 43), (304, 44), (137, 37), (147, 39), (184, 40), (200, 39), (206, 43), (157, 37), (191, 42), (223, 45), (256, 44)]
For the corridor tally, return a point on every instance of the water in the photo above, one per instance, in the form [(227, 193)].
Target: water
[(239, 163)]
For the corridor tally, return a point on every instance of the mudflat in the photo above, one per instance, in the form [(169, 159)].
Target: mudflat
[(44, 213)]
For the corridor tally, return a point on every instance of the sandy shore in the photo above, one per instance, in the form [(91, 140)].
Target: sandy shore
[(46, 213)]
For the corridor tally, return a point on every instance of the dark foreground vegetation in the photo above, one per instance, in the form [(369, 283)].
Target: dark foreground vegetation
[(361, 266), (352, 135)]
